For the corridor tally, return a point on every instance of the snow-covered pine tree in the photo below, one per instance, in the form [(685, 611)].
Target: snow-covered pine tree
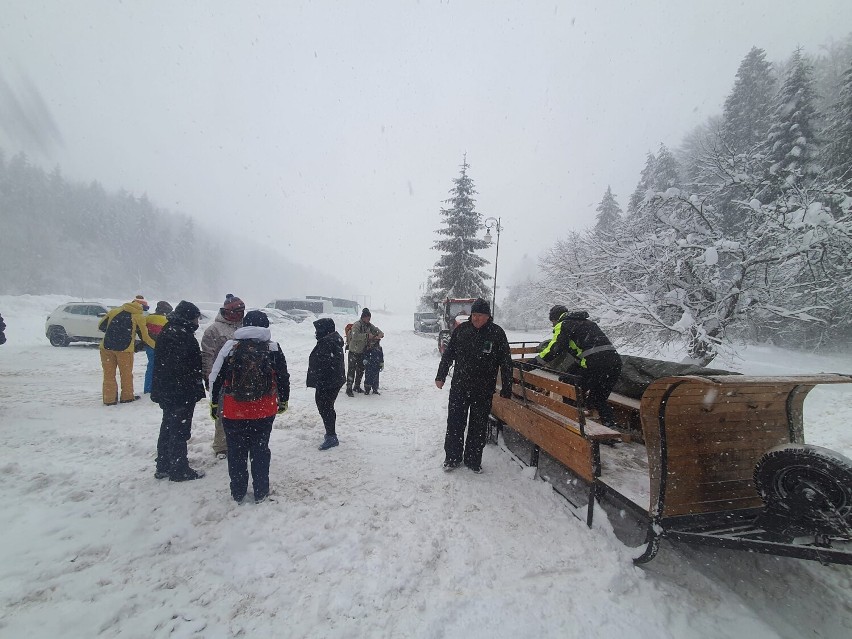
[(646, 183), (794, 150), (609, 213), (748, 108), (838, 135), (458, 271), (666, 170)]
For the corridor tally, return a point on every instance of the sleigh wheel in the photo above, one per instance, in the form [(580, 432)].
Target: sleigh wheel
[(808, 486)]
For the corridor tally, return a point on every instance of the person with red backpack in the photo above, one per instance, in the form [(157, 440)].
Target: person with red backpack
[(250, 386)]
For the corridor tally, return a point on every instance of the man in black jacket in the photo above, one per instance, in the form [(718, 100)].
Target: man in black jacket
[(326, 373), (593, 357), (177, 386), (479, 348)]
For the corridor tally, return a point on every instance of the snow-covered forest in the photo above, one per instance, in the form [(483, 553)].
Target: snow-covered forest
[(744, 232), (79, 239)]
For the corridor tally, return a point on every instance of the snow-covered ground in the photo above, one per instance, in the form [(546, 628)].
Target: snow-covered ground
[(370, 539)]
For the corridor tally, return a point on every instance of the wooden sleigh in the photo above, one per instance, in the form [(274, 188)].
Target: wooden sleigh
[(718, 460)]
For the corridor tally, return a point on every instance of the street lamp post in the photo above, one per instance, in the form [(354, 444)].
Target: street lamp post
[(493, 223)]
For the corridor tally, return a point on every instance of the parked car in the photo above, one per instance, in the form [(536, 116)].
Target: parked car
[(75, 322), (275, 316), (300, 315), (426, 322)]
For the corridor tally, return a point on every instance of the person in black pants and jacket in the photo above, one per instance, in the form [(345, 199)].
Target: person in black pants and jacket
[(479, 348), (177, 386), (327, 374), (593, 357)]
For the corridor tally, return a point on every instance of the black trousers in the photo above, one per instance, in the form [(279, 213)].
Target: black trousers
[(355, 370), (175, 431), (467, 409), (325, 399), (248, 439), (599, 379)]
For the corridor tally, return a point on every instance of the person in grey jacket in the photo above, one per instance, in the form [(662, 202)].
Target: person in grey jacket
[(362, 334), (228, 320)]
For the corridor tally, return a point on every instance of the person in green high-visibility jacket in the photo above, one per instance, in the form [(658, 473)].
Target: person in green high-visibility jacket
[(593, 357)]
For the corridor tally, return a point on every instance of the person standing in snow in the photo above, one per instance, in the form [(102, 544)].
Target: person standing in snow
[(327, 375), (357, 341), (154, 322), (177, 386), (593, 357), (374, 362), (479, 349), (2, 330), (250, 385), (120, 327), (228, 320)]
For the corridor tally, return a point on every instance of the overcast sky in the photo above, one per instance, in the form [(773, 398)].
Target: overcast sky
[(333, 130)]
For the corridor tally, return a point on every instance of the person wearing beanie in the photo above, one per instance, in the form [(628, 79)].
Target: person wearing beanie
[(327, 375), (479, 349), (177, 386), (592, 357), (250, 385), (120, 326), (140, 299), (362, 335), (228, 320), (154, 322)]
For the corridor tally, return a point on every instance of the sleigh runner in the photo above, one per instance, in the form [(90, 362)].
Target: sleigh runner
[(707, 459)]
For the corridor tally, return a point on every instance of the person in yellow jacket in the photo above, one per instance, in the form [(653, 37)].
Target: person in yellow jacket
[(120, 327)]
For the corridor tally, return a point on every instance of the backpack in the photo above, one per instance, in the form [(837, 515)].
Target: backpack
[(119, 332), (252, 376)]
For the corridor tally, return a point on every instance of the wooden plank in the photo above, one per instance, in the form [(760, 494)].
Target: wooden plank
[(712, 507), (523, 350), (624, 401), (547, 383), (562, 444)]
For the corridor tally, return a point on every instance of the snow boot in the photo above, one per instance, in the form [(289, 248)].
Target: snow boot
[(349, 392), (330, 441), (451, 465), (367, 390), (188, 475), (358, 389)]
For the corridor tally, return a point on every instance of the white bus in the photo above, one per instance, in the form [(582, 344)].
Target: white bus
[(315, 306)]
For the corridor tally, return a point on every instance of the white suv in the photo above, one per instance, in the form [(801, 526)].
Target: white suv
[(75, 322)]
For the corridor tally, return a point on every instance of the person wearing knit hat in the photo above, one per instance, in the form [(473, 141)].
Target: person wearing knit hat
[(479, 349), (121, 326), (359, 338), (155, 322), (139, 299), (228, 320), (177, 386)]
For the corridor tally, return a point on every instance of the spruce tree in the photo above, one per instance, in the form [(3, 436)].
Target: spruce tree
[(646, 183), (793, 143), (748, 108), (609, 213), (457, 271), (839, 133), (666, 171)]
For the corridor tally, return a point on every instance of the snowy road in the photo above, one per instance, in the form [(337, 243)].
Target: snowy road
[(370, 539)]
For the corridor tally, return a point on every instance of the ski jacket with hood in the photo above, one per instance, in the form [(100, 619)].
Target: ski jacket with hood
[(478, 354), (220, 378), (326, 370), (177, 364), (360, 333), (128, 321), (214, 338), (577, 338)]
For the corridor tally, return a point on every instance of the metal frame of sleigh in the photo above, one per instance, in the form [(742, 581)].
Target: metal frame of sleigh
[(715, 459)]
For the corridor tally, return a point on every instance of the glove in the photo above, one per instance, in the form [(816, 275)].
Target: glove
[(282, 407), (214, 411), (506, 393)]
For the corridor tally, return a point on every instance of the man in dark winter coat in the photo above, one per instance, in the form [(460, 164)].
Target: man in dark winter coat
[(327, 375), (2, 330), (250, 386), (479, 348), (593, 357), (177, 386)]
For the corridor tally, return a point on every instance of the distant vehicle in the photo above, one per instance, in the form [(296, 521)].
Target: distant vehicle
[(275, 316), (339, 305), (456, 310), (75, 322), (426, 322), (317, 307), (300, 315)]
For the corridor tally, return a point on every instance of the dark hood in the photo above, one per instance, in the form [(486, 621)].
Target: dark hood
[(324, 326)]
